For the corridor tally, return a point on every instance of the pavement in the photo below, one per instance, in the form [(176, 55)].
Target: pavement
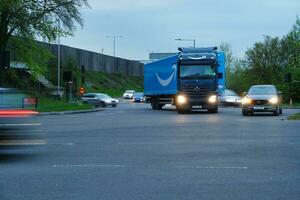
[(133, 152)]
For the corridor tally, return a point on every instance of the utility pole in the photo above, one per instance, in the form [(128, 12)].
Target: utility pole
[(58, 59), (193, 40), (114, 42)]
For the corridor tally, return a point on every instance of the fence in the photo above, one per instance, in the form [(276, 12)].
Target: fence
[(97, 62)]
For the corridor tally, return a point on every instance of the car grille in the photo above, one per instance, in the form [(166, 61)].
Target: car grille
[(260, 102)]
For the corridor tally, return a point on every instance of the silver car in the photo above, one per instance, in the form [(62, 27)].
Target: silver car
[(230, 98), (99, 99)]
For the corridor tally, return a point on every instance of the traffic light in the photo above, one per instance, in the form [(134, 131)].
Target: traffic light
[(4, 60), (81, 90), (288, 77)]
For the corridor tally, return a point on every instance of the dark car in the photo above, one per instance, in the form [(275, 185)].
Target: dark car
[(19, 126), (139, 97), (230, 98), (262, 98)]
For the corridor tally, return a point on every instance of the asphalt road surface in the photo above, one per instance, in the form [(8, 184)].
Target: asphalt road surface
[(132, 152)]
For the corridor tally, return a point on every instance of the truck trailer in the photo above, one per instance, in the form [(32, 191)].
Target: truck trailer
[(192, 79)]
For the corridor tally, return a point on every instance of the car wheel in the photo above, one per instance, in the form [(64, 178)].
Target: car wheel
[(276, 112), (114, 105), (103, 104), (280, 111)]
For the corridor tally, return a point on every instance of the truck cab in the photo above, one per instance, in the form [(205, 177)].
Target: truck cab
[(193, 79)]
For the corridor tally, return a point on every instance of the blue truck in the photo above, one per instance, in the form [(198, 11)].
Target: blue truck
[(192, 79)]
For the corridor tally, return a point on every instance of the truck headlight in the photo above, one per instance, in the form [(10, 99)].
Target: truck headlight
[(246, 100), (212, 99), (273, 100), (181, 99)]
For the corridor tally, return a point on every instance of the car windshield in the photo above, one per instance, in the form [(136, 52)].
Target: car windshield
[(262, 90), (129, 92), (89, 95), (139, 94), (230, 93), (103, 96), (196, 71)]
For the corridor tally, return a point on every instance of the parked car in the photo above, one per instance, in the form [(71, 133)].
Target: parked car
[(99, 99), (139, 97), (230, 98), (128, 94), (262, 98)]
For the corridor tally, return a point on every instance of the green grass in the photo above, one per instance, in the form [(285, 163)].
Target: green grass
[(294, 105), (50, 105), (294, 117), (112, 84)]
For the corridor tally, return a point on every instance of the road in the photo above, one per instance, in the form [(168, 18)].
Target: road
[(132, 152)]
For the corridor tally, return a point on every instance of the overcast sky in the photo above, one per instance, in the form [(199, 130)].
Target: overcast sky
[(152, 25)]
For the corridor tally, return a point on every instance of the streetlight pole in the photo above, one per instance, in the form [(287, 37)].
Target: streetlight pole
[(193, 40), (58, 59), (114, 42)]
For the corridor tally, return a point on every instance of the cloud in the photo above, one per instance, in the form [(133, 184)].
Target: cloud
[(126, 5)]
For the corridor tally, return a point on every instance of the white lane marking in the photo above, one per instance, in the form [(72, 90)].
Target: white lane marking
[(67, 143), (213, 167), (92, 165), (20, 124), (144, 143)]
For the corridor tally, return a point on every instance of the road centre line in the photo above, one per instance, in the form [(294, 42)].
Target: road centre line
[(145, 143), (87, 165), (213, 167)]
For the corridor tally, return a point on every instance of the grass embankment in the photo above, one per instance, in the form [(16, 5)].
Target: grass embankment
[(294, 117), (112, 84), (50, 105)]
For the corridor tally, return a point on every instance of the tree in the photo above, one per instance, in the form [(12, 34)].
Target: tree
[(23, 21), (229, 59)]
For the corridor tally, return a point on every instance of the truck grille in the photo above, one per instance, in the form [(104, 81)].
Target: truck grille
[(196, 92)]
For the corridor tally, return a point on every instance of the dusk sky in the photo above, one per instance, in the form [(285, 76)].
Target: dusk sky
[(152, 25)]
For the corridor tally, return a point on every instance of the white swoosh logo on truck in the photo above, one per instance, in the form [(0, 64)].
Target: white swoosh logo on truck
[(166, 82)]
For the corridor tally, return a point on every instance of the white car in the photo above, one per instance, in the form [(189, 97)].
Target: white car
[(99, 99), (128, 94)]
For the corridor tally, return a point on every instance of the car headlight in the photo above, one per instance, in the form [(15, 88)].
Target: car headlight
[(212, 99), (273, 100), (181, 99), (246, 100)]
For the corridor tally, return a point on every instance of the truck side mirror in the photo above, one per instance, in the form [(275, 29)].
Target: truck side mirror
[(220, 75)]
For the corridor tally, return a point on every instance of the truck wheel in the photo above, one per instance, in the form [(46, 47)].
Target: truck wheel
[(159, 106), (213, 110), (183, 110), (153, 103)]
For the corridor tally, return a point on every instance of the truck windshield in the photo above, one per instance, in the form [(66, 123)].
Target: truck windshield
[(196, 71)]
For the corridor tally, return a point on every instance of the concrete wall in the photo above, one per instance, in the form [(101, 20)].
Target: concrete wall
[(98, 62)]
